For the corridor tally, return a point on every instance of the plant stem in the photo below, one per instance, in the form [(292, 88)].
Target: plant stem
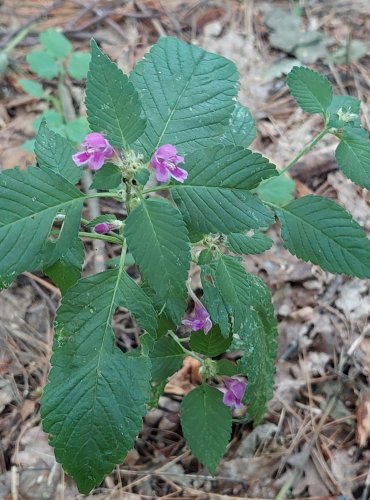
[(304, 151), (157, 188), (104, 237), (189, 353), (117, 196), (291, 164)]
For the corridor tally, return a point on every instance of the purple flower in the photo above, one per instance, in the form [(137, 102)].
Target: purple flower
[(105, 227), (234, 392), (164, 161), (199, 319), (96, 150)]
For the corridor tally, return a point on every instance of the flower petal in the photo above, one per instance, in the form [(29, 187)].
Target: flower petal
[(162, 173), (96, 160), (81, 158), (96, 140), (166, 151), (179, 174)]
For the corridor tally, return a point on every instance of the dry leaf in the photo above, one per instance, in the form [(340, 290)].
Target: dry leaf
[(363, 420)]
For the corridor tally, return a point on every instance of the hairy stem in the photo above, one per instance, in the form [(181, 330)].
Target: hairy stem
[(103, 237), (303, 152), (186, 351)]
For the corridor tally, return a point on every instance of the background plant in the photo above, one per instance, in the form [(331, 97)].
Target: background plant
[(219, 212), (53, 63)]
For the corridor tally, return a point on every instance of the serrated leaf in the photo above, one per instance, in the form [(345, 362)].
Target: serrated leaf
[(279, 190), (32, 88), (215, 306), (42, 64), (312, 91), (78, 65), (206, 424), (230, 280), (67, 270), (29, 201), (55, 153), (53, 119), (56, 250), (258, 340), (216, 198), (242, 128), (108, 177), (165, 258), (94, 402), (248, 245), (166, 358), (211, 344), (113, 105), (187, 94), (55, 43), (318, 230), (344, 103), (353, 157)]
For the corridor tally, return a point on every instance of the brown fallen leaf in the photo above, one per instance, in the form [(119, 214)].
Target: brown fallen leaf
[(363, 420)]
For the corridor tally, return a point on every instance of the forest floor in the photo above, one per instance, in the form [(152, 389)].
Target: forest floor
[(314, 440)]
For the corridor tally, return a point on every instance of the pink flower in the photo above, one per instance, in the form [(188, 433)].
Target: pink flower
[(234, 392), (105, 227), (164, 161), (96, 150), (199, 319)]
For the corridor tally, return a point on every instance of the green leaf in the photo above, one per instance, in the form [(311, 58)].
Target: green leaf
[(165, 267), (29, 201), (353, 157), (29, 145), (67, 270), (187, 94), (216, 198), (42, 64), (258, 339), (248, 245), (77, 130), (55, 43), (53, 119), (166, 357), (226, 367), (317, 230), (312, 91), (56, 250), (112, 103), (32, 88), (206, 424), (242, 128), (344, 104), (215, 306), (230, 280), (108, 177), (55, 152), (279, 190), (211, 344), (78, 65), (94, 402)]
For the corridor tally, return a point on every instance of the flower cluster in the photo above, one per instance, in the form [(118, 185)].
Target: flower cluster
[(234, 392), (199, 319), (96, 150), (165, 161)]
